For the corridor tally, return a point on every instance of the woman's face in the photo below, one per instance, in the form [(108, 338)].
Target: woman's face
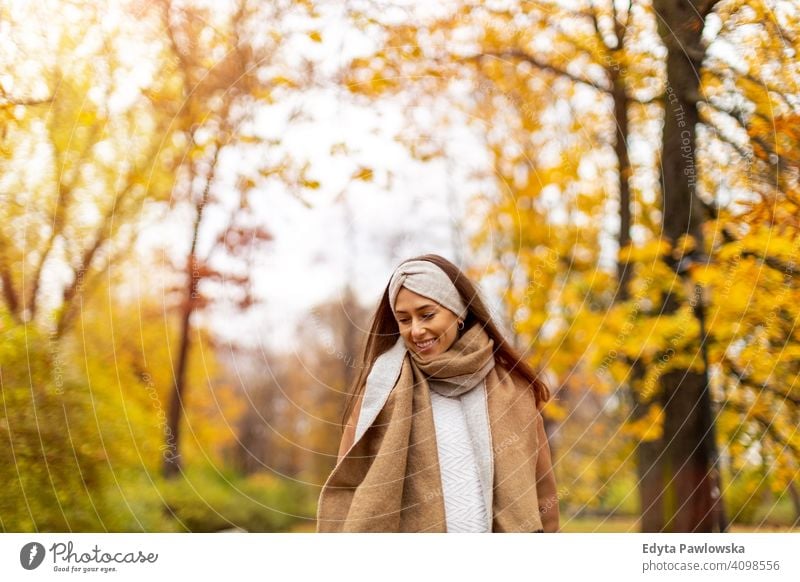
[(427, 328)]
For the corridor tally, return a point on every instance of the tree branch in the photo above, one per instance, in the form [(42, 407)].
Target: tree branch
[(766, 424), (63, 199), (787, 269), (749, 381), (516, 54), (765, 86), (781, 159), (747, 155), (6, 101)]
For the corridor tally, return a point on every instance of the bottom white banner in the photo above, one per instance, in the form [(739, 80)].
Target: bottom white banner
[(389, 557)]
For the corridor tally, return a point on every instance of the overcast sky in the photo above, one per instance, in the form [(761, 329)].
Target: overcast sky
[(356, 230)]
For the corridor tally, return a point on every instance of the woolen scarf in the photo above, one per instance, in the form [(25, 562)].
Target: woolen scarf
[(389, 480)]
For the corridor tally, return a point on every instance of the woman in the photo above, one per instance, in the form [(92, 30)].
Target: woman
[(444, 431)]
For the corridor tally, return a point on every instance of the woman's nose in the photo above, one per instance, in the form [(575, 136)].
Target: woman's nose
[(417, 329)]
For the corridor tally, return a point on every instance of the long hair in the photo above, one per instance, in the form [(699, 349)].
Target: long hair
[(384, 332)]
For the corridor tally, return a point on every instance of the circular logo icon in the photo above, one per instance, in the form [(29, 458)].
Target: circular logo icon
[(31, 555)]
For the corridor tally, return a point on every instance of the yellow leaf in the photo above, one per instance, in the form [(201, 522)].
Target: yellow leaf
[(281, 80), (648, 428), (364, 174)]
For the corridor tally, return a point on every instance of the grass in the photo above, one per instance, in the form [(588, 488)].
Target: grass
[(631, 525)]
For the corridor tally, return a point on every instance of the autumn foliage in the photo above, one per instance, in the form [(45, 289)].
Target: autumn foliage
[(637, 216)]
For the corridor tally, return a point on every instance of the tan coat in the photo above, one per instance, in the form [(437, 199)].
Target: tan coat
[(520, 439)]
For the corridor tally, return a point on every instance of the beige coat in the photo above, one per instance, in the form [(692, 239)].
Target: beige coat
[(528, 444)]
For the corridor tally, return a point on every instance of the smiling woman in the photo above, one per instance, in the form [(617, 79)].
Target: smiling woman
[(443, 429), (427, 327)]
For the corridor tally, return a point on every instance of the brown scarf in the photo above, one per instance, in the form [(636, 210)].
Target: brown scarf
[(389, 480)]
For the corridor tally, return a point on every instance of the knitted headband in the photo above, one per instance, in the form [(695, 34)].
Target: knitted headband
[(426, 279)]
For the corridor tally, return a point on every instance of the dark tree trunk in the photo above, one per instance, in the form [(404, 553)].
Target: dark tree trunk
[(691, 501), (621, 149), (191, 299), (796, 502), (651, 485), (172, 462), (686, 461)]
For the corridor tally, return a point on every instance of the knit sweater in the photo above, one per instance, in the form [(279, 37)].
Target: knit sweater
[(465, 509)]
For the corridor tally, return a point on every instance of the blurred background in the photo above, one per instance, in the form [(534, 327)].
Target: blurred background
[(202, 201)]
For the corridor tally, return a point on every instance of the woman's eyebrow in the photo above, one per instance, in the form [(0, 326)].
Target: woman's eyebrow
[(420, 308)]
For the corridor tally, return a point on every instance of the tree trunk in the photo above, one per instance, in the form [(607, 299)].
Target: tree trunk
[(691, 501), (621, 150), (172, 462), (796, 502), (687, 441)]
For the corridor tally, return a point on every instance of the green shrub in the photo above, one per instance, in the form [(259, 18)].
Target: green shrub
[(205, 499), (50, 464)]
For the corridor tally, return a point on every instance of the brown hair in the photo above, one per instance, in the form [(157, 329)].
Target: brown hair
[(384, 332)]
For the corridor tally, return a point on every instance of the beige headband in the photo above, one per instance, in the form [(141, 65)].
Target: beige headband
[(428, 280)]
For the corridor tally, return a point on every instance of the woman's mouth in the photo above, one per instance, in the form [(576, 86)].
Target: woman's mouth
[(426, 345)]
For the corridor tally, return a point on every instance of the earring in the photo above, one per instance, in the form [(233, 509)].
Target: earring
[(461, 324)]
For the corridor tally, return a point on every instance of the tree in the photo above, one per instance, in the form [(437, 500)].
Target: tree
[(225, 71), (295, 399), (96, 164), (651, 336)]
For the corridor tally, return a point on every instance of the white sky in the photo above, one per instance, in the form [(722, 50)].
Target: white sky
[(359, 237), (364, 234), (316, 249)]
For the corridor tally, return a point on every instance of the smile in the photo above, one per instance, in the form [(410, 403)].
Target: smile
[(426, 344)]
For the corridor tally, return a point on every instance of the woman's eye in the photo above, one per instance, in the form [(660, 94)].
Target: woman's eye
[(427, 315)]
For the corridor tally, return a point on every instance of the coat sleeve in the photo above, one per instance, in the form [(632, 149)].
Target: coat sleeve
[(545, 481), (349, 432)]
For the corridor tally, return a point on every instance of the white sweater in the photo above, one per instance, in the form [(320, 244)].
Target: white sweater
[(465, 508)]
